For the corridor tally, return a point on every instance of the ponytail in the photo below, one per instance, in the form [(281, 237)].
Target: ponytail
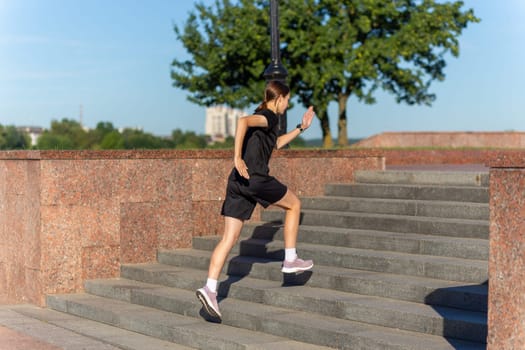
[(261, 107), (273, 90)]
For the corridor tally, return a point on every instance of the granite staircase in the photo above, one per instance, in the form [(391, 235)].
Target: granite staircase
[(400, 263)]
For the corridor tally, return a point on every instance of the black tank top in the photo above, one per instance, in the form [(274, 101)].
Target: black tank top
[(259, 144)]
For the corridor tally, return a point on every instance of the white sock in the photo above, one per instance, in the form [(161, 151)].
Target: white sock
[(212, 285), (290, 254)]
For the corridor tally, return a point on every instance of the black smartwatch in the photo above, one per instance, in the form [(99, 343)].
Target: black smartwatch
[(300, 127)]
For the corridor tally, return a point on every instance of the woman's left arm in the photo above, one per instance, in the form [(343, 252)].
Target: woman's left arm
[(285, 139)]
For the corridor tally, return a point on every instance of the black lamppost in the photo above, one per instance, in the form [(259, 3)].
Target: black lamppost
[(276, 71)]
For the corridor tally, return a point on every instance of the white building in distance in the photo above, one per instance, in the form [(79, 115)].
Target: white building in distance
[(221, 122), (34, 132)]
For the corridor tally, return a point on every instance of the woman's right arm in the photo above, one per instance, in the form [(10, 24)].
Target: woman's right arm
[(242, 126)]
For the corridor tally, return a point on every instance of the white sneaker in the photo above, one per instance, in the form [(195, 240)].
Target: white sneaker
[(297, 265), (209, 301)]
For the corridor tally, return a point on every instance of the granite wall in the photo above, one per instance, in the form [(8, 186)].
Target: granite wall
[(69, 216), (506, 303)]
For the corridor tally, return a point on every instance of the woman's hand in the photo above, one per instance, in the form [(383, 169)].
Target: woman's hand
[(308, 117), (241, 167)]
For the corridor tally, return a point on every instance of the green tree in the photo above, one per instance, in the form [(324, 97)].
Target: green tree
[(229, 142), (229, 46), (188, 140), (112, 140), (298, 142), (64, 134), (12, 138), (138, 139), (332, 50), (52, 141), (69, 134), (97, 136)]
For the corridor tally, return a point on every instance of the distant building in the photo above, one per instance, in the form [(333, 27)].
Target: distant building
[(221, 122), (34, 132)]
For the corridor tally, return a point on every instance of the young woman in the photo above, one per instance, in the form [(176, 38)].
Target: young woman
[(250, 183)]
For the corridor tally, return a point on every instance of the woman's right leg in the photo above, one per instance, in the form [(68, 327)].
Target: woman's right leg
[(232, 230)]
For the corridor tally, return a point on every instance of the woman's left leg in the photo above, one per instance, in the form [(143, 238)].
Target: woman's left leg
[(292, 206), (208, 294)]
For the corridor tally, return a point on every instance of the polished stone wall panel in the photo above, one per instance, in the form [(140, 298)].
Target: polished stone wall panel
[(102, 223), (61, 237), (207, 219), (19, 230), (506, 302), (138, 232), (100, 262), (209, 178), (175, 223)]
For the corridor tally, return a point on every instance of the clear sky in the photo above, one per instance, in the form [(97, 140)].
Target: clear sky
[(113, 59)]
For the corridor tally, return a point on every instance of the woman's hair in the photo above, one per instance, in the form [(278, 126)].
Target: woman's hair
[(273, 90)]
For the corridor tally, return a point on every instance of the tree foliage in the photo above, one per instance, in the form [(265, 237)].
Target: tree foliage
[(188, 140), (12, 138), (65, 134), (228, 44), (332, 50), (69, 134)]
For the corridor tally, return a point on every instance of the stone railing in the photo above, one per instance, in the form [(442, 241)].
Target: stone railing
[(448, 139), (68, 216)]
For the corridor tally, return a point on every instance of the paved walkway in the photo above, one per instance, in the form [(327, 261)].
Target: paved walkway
[(28, 327), (12, 340)]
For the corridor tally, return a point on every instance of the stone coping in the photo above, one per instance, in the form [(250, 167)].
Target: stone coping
[(494, 159), (455, 139), (176, 154), (507, 160)]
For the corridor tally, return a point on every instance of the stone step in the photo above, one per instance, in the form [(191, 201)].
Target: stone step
[(414, 192), (340, 334), (433, 292), (449, 178), (167, 325), (247, 300), (444, 268), (442, 209), (413, 243), (390, 223)]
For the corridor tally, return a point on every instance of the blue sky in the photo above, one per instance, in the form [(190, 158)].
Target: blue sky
[(113, 59)]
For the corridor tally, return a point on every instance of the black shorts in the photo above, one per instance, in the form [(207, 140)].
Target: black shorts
[(243, 194)]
